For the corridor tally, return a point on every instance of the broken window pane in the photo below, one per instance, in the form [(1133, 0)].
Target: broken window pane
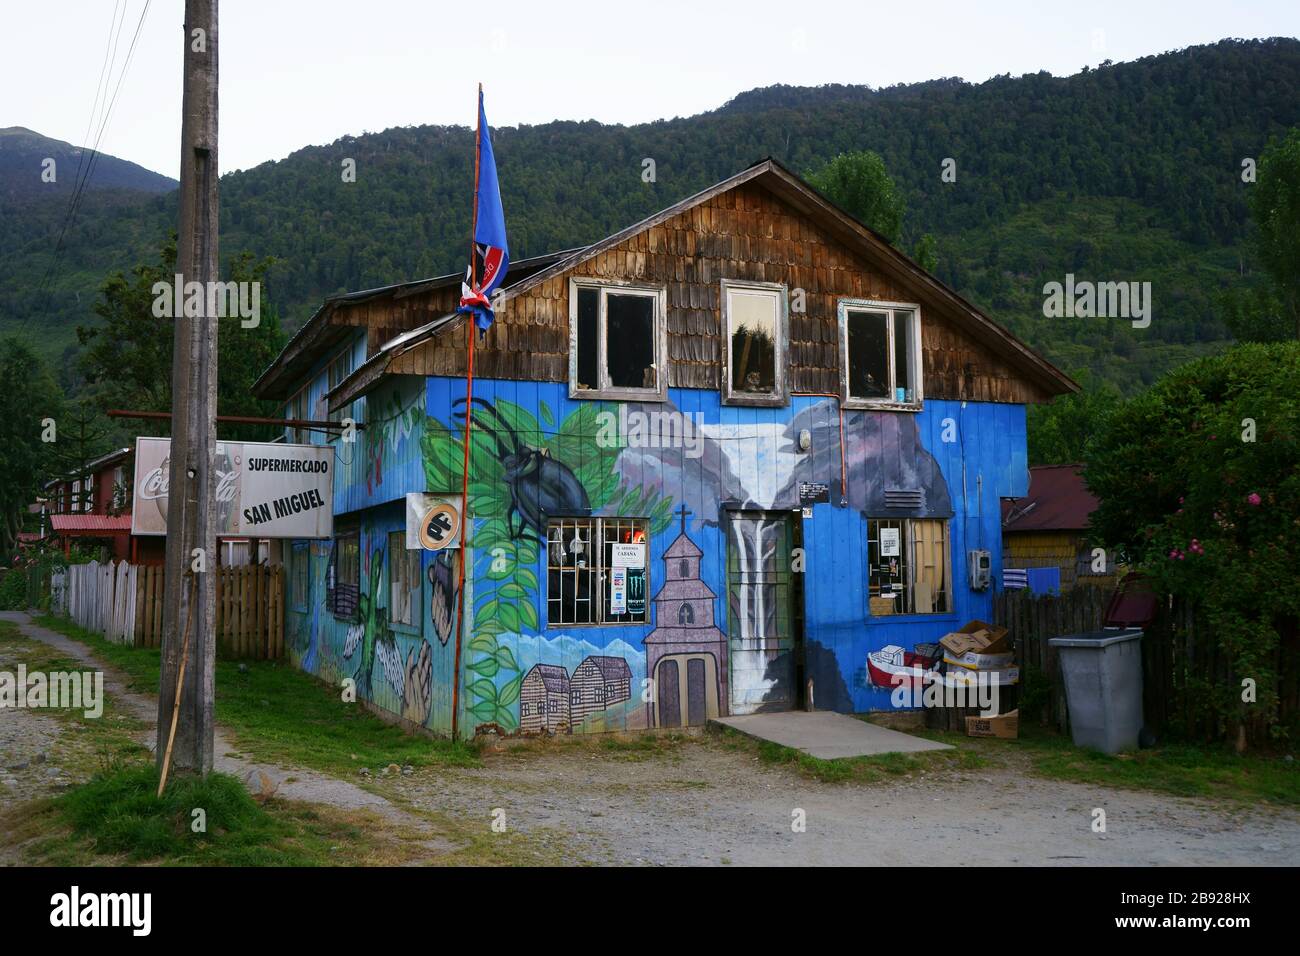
[(868, 354), (588, 337), (752, 322), (630, 340)]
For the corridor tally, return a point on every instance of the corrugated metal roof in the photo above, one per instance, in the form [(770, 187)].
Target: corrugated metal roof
[(1058, 500), (74, 523)]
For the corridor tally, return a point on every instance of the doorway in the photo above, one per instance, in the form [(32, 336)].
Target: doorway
[(764, 612)]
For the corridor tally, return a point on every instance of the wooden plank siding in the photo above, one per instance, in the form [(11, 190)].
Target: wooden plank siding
[(745, 234)]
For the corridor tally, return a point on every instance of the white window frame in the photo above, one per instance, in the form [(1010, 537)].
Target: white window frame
[(296, 407), (780, 395), (914, 359), (346, 359), (599, 572), (659, 295)]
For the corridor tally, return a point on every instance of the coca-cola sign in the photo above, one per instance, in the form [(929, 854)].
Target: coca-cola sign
[(264, 490)]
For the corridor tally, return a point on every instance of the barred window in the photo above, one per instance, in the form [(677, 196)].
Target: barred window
[(585, 581), (907, 562), (403, 580)]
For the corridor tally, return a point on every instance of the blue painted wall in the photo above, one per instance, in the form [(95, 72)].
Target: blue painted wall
[(963, 456)]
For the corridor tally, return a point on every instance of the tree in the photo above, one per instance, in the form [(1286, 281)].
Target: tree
[(1275, 206), (1059, 432), (861, 185), (127, 358), (1199, 484), (30, 404)]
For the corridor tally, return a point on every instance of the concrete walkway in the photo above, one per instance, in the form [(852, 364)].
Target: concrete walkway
[(826, 734)]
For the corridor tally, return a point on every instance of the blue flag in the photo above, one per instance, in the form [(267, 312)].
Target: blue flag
[(491, 254)]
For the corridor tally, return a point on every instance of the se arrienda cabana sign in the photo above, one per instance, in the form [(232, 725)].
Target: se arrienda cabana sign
[(263, 489)]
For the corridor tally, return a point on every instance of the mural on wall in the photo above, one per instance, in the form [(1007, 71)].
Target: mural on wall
[(527, 465), (394, 418)]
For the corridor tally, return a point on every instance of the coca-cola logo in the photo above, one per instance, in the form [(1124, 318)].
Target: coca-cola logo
[(156, 484)]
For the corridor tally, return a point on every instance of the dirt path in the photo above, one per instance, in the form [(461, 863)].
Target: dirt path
[(712, 801), (37, 733), (710, 804)]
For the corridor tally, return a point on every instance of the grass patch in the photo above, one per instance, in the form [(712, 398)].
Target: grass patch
[(117, 818), (278, 714), (1215, 772)]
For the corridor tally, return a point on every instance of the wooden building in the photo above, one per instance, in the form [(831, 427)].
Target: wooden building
[(599, 682), (749, 373), (544, 700), (1048, 528)]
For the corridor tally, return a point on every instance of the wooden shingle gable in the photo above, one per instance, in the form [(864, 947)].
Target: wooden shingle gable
[(762, 225)]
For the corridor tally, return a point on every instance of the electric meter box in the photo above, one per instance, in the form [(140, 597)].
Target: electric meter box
[(981, 569)]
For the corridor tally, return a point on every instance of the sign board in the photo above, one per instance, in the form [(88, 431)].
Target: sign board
[(263, 489), (432, 521), (813, 492), (629, 556), (890, 542), (618, 590)]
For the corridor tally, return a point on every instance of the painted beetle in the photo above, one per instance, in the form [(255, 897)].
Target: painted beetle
[(539, 484)]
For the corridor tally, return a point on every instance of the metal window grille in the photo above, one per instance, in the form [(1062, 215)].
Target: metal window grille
[(579, 557)]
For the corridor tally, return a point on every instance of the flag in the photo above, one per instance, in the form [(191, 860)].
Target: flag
[(491, 254)]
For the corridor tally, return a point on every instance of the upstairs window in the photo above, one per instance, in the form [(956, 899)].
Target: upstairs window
[(754, 319), (880, 354), (338, 370), (617, 341)]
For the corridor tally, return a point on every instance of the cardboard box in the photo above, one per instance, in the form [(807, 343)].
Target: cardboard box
[(979, 637), (997, 676), (1006, 726), (975, 661)]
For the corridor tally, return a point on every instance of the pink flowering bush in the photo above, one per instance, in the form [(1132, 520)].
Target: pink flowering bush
[(1210, 514)]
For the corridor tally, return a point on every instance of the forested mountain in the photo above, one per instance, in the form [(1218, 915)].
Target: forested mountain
[(26, 172), (1130, 172)]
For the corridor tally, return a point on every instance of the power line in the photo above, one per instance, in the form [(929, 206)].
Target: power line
[(80, 189)]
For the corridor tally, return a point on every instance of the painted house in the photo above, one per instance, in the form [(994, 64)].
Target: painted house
[(748, 406)]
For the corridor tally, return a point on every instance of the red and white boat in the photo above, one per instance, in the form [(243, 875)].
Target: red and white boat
[(891, 666)]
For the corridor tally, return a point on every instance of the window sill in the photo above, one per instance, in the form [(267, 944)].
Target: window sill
[(617, 394), (411, 630), (756, 401), (872, 405)]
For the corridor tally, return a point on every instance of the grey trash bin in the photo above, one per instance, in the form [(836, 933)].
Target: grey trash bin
[(1103, 687)]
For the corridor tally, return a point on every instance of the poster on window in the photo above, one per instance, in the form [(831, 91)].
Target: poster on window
[(636, 591), (618, 591), (890, 542), (628, 555), (432, 521), (262, 489)]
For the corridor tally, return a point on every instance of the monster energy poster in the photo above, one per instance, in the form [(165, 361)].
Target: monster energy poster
[(263, 489), (636, 591)]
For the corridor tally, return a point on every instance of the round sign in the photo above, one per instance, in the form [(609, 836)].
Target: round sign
[(439, 527)]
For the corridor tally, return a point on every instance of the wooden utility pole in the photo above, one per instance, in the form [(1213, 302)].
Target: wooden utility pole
[(191, 504)]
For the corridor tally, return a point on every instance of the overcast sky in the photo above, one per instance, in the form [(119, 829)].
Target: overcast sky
[(300, 73)]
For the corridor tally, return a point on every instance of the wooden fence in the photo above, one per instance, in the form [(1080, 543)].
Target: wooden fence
[(124, 603), (1182, 661)]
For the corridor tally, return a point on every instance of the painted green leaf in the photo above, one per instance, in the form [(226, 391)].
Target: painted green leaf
[(487, 611), (487, 666), (521, 420), (484, 643), (506, 658), (506, 718), (528, 615), (511, 592), (527, 578), (485, 711), (545, 409), (484, 689), (509, 614), (489, 627)]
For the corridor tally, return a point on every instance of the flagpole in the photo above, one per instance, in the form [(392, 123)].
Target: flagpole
[(469, 423)]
